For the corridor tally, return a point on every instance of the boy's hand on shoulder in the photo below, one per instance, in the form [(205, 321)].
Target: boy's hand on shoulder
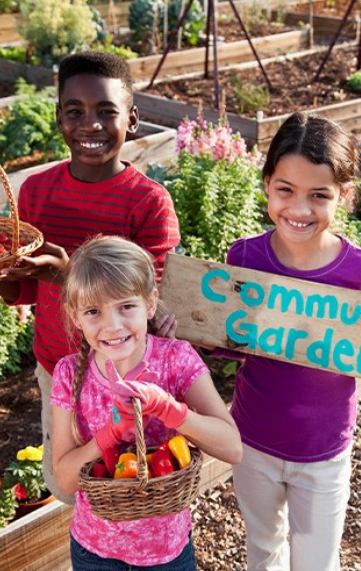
[(165, 325), (47, 265)]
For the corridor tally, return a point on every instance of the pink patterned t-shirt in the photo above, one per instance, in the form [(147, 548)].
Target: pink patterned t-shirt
[(143, 542)]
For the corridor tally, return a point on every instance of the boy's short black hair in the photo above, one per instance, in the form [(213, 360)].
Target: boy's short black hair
[(97, 63)]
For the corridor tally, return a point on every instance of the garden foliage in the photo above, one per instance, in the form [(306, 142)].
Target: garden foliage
[(29, 125), (16, 337), (146, 17), (216, 186), (54, 28)]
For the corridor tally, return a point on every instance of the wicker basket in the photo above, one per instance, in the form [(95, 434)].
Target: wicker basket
[(130, 499), (31, 238)]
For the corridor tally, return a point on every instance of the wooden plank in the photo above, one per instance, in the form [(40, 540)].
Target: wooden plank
[(283, 318), (213, 471), (347, 114), (167, 112), (36, 541), (232, 53)]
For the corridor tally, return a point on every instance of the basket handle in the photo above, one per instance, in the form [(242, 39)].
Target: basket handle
[(13, 209), (140, 444)]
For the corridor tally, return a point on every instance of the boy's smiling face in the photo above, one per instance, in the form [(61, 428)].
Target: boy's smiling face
[(94, 115)]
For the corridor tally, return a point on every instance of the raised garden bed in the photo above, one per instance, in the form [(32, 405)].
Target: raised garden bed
[(291, 79)]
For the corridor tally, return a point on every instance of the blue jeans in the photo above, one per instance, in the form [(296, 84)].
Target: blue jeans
[(84, 560)]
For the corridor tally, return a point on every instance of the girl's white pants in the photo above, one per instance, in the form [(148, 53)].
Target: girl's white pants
[(294, 512)]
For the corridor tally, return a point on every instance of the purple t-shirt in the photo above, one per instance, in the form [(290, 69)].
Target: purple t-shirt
[(296, 413)]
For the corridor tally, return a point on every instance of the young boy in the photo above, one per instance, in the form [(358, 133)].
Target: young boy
[(92, 193)]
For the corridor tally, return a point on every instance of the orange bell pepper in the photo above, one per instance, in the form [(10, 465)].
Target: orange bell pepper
[(178, 445), (127, 466)]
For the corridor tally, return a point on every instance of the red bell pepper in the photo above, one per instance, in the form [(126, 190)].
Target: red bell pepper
[(99, 470), (110, 457), (162, 463)]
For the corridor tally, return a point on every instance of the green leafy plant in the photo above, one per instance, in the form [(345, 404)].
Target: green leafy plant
[(354, 81), (53, 28), (146, 19), (216, 186), (8, 503), (16, 336), (249, 96), (9, 6), (107, 46), (29, 125), (193, 25), (14, 53), (26, 475)]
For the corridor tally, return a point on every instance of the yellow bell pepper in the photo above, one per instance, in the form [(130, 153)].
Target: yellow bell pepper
[(178, 445)]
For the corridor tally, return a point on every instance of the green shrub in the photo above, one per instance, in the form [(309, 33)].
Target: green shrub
[(54, 28), (29, 125), (216, 187), (146, 18), (354, 81), (15, 340), (108, 46), (249, 96), (14, 53), (9, 6)]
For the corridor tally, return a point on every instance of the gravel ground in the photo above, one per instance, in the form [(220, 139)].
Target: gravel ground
[(219, 531)]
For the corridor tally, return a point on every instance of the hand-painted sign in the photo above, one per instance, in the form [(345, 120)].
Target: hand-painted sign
[(293, 320)]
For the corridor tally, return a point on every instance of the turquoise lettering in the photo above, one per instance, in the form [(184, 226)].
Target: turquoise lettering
[(251, 328), (293, 336), (319, 351), (358, 363), (343, 347), (265, 340), (319, 303), (252, 301), (206, 288), (287, 296), (353, 318)]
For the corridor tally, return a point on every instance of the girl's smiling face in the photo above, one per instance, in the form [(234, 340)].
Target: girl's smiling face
[(302, 200), (117, 330)]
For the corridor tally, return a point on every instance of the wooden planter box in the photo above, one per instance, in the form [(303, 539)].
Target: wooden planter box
[(176, 63), (40, 540), (154, 143)]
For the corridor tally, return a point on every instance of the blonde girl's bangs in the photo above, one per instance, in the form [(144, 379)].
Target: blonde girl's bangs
[(108, 268)]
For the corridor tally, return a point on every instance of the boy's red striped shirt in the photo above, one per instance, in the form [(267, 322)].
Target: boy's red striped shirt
[(68, 212)]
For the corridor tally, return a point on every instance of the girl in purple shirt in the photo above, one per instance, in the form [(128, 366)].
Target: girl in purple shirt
[(109, 295), (297, 422)]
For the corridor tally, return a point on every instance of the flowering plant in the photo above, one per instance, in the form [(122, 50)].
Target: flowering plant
[(216, 185), (8, 503), (25, 476)]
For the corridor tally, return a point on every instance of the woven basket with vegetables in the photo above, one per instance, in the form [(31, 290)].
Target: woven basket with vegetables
[(17, 238), (133, 493)]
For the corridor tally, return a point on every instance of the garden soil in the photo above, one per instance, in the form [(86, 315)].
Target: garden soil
[(292, 85), (218, 527)]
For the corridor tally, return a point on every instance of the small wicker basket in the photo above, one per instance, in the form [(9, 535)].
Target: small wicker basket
[(130, 499), (31, 238)]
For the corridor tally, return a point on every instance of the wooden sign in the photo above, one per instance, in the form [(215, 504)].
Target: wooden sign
[(289, 319)]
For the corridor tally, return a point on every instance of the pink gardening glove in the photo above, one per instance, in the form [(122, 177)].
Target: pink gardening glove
[(120, 427), (153, 398)]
